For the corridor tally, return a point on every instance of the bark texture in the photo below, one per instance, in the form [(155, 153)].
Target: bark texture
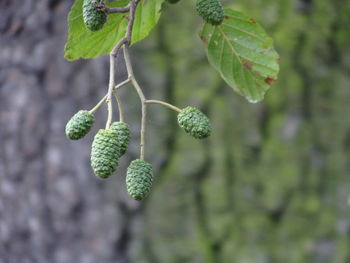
[(52, 208)]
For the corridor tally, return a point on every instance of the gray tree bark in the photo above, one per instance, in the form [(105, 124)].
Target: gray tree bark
[(52, 208)]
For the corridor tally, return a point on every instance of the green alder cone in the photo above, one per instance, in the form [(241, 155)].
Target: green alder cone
[(139, 179), (194, 122), (104, 153), (173, 1), (123, 135), (211, 11), (94, 19), (79, 125)]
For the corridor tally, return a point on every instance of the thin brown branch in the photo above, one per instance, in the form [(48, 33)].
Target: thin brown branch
[(110, 90), (103, 100), (126, 40), (142, 99), (168, 105), (110, 10), (120, 107)]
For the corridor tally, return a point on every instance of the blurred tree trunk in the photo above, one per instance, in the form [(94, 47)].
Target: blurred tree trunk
[(52, 209)]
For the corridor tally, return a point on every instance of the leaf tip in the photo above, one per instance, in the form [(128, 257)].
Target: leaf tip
[(68, 56)]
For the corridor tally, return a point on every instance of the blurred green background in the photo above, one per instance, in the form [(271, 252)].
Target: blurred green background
[(270, 185)]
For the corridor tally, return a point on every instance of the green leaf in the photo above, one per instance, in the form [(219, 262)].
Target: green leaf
[(82, 43), (243, 54)]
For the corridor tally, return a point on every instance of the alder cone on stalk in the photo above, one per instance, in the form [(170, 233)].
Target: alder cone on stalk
[(123, 135), (79, 125), (105, 152), (139, 179), (211, 11), (194, 122), (94, 19)]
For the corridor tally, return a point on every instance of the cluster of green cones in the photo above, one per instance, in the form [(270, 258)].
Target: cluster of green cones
[(94, 19), (111, 144)]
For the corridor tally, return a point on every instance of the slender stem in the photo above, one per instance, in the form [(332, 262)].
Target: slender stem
[(122, 84), (143, 101), (143, 130), (117, 98), (128, 63), (170, 106), (117, 10), (127, 38), (103, 100), (119, 103), (125, 41), (110, 90), (101, 6), (99, 104)]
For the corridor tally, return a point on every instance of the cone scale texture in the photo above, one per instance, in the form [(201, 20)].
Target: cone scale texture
[(123, 135), (94, 19), (79, 125), (211, 11), (139, 179), (194, 122), (104, 153)]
